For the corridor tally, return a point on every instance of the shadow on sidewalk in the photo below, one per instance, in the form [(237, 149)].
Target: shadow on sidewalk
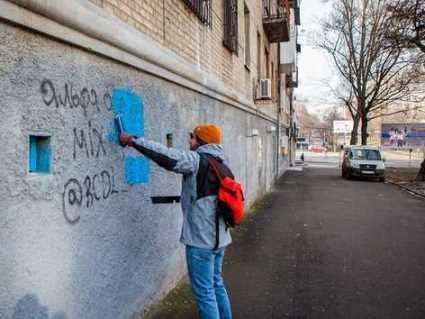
[(177, 304)]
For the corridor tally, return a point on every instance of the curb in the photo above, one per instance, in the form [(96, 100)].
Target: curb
[(407, 189)]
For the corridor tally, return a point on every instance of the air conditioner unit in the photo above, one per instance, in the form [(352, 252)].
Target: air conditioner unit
[(264, 89)]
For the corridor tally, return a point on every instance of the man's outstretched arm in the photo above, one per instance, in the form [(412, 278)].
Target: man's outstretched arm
[(184, 162)]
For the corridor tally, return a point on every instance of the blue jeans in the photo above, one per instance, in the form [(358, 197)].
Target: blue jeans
[(204, 268)]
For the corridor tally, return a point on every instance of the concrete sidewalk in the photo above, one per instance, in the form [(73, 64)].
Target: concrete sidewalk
[(320, 246)]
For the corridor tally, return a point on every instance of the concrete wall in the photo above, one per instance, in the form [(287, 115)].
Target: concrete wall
[(84, 240)]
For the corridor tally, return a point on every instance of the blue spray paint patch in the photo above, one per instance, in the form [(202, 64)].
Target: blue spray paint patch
[(129, 106), (39, 154), (136, 170)]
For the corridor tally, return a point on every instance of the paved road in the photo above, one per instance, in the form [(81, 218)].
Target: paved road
[(392, 159), (324, 247)]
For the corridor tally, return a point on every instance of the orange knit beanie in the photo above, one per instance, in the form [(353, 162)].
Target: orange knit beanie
[(208, 133)]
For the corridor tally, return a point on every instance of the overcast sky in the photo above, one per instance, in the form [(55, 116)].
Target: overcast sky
[(314, 66)]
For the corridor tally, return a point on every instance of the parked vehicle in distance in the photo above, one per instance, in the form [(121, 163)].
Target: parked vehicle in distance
[(364, 161), (316, 148)]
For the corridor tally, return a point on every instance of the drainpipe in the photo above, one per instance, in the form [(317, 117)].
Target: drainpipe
[(279, 112), (291, 125)]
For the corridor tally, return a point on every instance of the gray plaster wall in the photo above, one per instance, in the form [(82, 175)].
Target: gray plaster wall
[(114, 255)]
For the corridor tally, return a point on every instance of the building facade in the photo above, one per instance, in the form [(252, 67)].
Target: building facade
[(85, 230)]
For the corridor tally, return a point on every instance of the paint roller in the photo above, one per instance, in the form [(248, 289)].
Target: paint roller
[(120, 126)]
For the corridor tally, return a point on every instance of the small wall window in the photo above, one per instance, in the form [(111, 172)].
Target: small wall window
[(39, 154), (169, 138)]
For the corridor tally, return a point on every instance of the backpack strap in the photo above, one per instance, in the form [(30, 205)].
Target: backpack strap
[(212, 162)]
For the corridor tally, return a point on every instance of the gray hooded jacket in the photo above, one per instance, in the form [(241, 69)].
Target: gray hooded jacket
[(199, 226)]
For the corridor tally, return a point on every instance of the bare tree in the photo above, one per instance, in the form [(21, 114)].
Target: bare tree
[(406, 23), (374, 72), (406, 29), (332, 114)]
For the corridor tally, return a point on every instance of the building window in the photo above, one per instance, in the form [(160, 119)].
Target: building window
[(273, 81), (202, 9), (267, 61), (258, 56), (247, 37), (231, 25)]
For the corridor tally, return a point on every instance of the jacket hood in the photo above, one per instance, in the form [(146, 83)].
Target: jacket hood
[(215, 150)]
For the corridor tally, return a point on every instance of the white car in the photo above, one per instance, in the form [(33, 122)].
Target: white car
[(366, 161)]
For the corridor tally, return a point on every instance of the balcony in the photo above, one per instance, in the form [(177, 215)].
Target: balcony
[(288, 56), (276, 20), (295, 4)]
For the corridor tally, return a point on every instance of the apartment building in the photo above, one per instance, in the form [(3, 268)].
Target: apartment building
[(89, 229), (251, 46)]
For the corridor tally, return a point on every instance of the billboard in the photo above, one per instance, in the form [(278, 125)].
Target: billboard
[(398, 135), (343, 127)]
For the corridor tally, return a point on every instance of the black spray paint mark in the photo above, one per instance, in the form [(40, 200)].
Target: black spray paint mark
[(89, 195), (95, 137), (96, 196), (72, 196), (72, 98), (78, 195), (80, 142), (107, 101), (47, 89)]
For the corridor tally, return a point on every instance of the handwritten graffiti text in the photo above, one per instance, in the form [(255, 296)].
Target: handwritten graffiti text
[(84, 193), (72, 98)]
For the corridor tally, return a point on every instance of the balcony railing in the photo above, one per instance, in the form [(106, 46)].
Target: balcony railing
[(276, 20)]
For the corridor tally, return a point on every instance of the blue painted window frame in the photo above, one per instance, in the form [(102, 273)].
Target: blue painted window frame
[(39, 154)]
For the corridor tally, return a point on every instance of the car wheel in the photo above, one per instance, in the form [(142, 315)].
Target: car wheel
[(382, 179)]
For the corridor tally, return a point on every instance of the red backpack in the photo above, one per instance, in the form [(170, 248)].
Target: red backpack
[(230, 197)]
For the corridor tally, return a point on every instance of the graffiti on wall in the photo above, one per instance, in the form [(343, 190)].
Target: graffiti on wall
[(89, 142), (84, 193), (74, 99), (129, 106)]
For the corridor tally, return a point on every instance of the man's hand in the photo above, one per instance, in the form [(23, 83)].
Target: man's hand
[(126, 139)]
